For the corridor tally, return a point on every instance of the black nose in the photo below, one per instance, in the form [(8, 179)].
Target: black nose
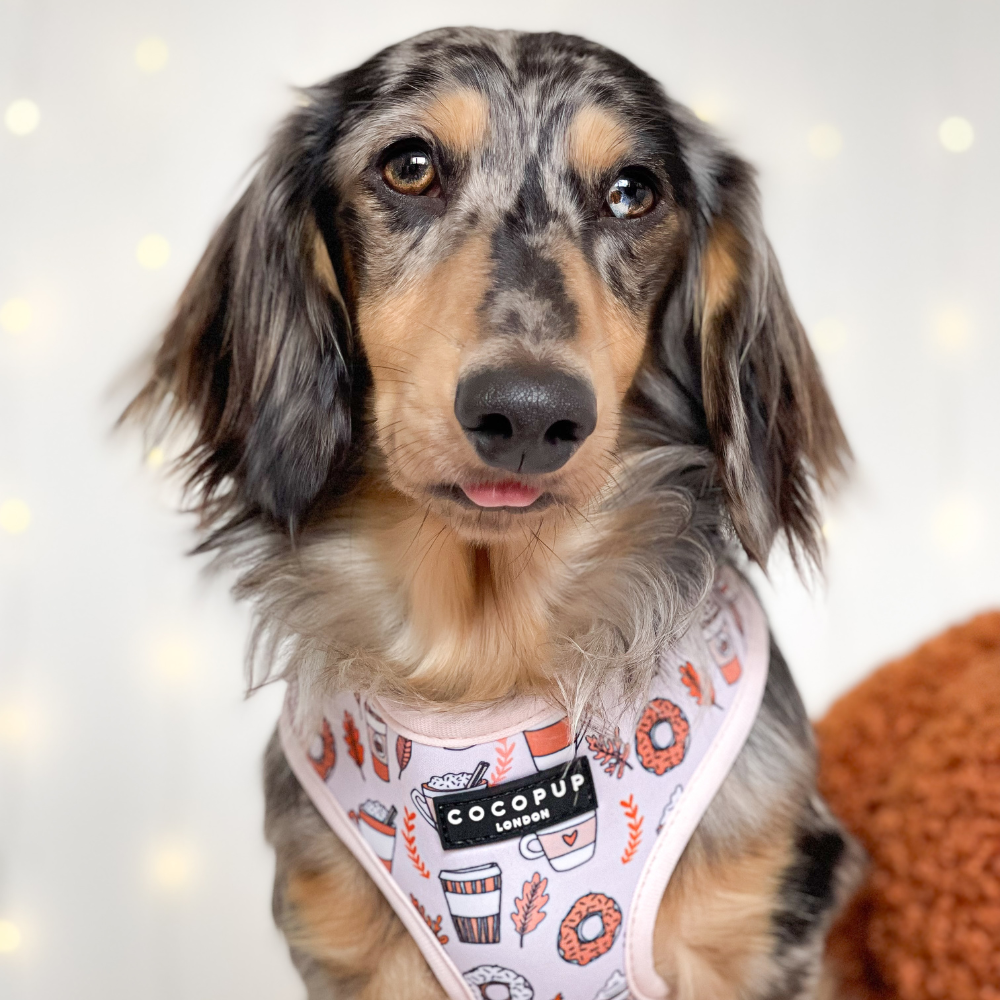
[(525, 418)]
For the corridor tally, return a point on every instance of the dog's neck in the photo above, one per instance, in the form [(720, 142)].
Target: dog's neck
[(386, 596), (477, 614)]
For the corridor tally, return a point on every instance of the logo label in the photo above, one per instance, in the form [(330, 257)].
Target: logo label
[(516, 808)]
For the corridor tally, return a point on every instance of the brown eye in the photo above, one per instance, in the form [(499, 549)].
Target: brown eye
[(629, 197), (410, 171)]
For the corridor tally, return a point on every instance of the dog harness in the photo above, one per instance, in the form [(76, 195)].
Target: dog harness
[(529, 864)]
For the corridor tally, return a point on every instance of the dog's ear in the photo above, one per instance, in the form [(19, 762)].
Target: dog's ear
[(258, 356), (770, 420)]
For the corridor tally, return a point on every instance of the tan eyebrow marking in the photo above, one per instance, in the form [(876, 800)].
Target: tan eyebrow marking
[(459, 119), (596, 140)]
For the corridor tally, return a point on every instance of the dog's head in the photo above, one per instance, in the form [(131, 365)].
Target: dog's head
[(483, 265)]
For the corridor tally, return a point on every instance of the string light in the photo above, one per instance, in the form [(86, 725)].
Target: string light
[(171, 867), (824, 141), (15, 516), (10, 936), (829, 336), (151, 54), (955, 524), (951, 330), (152, 251), (708, 109), (16, 315), (22, 116), (13, 724), (956, 134), (174, 659)]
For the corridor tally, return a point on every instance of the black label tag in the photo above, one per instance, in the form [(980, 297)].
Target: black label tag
[(523, 806)]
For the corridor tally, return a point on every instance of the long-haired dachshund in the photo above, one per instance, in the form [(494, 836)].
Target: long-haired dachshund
[(489, 371)]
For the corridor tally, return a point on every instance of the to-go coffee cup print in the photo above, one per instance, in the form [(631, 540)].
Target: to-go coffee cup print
[(378, 738), (566, 845), (446, 784), (551, 745), (715, 631), (473, 898)]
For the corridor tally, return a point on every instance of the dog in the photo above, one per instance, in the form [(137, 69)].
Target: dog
[(488, 372)]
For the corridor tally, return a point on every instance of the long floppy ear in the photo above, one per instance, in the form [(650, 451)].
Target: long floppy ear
[(259, 354), (771, 422)]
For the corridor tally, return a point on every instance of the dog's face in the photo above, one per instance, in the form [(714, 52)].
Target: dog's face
[(484, 262), (506, 235)]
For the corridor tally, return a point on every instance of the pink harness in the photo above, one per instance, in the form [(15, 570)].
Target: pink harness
[(526, 864)]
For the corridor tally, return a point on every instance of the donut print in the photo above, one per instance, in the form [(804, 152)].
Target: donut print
[(589, 929), (661, 737), (323, 751), (494, 982)]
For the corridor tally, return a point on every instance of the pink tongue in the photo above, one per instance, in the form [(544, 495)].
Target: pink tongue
[(501, 494)]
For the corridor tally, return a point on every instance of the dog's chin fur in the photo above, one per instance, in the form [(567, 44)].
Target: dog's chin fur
[(384, 595)]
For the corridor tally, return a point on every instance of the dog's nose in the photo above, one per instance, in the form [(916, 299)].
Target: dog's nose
[(525, 418)]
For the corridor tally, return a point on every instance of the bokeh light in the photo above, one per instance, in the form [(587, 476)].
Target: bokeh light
[(956, 134), (708, 108), (174, 659), (16, 315), (14, 723), (951, 330), (956, 524), (152, 251), (22, 116), (155, 457), (829, 336), (151, 54), (15, 516), (824, 141), (10, 936), (171, 867)]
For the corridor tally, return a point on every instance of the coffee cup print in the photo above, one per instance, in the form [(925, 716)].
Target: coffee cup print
[(378, 740), (377, 826), (551, 745), (473, 899), (715, 630), (566, 845), (445, 784)]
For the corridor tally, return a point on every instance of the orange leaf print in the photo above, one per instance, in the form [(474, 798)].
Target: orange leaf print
[(404, 750), (410, 839), (634, 828), (353, 740), (505, 761), (610, 752), (529, 906), (692, 681), (434, 925)]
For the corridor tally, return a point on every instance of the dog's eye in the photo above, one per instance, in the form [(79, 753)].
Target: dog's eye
[(630, 196), (411, 171)]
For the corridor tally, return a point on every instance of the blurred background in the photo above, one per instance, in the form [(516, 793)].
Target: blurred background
[(131, 857)]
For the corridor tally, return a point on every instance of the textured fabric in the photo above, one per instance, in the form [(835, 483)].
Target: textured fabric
[(910, 761), (567, 908)]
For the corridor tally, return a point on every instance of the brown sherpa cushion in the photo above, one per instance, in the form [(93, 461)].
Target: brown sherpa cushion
[(910, 760)]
